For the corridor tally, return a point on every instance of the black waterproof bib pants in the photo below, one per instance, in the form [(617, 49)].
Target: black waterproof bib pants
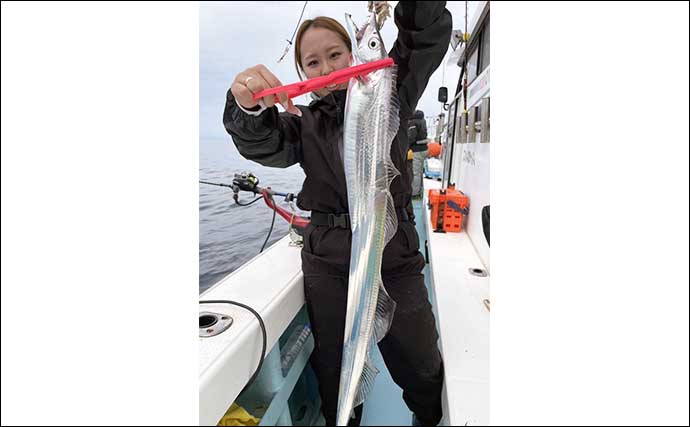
[(410, 348)]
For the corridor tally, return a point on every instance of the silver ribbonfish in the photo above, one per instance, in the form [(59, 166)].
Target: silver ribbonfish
[(371, 123)]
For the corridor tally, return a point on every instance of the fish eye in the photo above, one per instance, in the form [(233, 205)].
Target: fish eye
[(373, 43)]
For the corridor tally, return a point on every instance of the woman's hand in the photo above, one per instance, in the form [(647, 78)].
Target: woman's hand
[(254, 80)]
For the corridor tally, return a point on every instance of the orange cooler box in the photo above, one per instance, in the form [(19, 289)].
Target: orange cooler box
[(448, 208)]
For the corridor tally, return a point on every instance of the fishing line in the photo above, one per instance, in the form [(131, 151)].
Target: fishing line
[(246, 204), (287, 48), (272, 222)]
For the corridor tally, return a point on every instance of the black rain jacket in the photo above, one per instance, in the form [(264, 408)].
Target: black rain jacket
[(281, 139)]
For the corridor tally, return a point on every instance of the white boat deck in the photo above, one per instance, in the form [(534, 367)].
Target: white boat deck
[(463, 322)]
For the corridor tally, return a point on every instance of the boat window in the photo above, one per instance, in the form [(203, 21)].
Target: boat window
[(472, 65), (485, 57)]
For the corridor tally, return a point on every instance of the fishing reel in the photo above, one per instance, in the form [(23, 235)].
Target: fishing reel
[(245, 181)]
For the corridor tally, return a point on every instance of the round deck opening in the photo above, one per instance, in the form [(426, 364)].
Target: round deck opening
[(207, 320)]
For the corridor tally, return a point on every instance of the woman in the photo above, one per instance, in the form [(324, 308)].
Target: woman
[(312, 136)]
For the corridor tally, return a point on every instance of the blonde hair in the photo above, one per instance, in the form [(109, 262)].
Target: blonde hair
[(318, 22)]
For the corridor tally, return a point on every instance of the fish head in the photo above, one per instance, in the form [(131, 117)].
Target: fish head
[(367, 43)]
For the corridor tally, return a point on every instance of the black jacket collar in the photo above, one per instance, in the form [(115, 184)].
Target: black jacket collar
[(332, 104)]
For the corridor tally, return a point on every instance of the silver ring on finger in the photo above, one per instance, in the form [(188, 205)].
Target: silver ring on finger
[(246, 81)]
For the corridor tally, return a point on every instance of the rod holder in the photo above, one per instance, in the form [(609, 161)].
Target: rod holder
[(463, 128), (472, 131), (485, 123)]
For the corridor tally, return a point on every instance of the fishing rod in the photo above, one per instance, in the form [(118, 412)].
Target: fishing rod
[(247, 181)]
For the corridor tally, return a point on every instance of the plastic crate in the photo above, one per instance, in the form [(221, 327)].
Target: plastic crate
[(448, 209)]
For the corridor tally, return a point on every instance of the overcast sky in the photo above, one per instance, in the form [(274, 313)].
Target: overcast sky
[(238, 35)]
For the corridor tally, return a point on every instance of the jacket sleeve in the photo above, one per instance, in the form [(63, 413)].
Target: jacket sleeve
[(271, 138), (424, 30)]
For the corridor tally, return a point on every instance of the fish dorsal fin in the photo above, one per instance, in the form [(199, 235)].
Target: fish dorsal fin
[(391, 170), (385, 309)]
